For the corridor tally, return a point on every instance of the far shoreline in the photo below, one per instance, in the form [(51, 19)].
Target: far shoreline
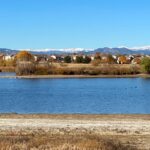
[(76, 76)]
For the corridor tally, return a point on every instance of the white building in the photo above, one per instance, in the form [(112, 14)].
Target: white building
[(8, 57)]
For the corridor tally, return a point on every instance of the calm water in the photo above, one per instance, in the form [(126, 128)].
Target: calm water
[(123, 95), (7, 74)]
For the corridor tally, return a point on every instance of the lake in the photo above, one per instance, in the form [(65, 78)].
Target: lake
[(85, 96)]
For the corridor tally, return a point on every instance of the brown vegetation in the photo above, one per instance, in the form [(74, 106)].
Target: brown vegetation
[(7, 69), (25, 63), (25, 68), (97, 70), (74, 132), (24, 56), (47, 141), (7, 63), (41, 70), (96, 62)]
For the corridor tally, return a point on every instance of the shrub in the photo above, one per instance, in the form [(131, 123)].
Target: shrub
[(135, 69), (2, 63), (92, 72), (67, 59), (42, 71), (96, 62), (10, 63), (86, 60), (97, 56), (25, 68), (110, 59), (79, 59), (146, 64)]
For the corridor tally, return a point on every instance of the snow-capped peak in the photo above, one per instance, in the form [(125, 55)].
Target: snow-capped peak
[(136, 48), (61, 49), (141, 48)]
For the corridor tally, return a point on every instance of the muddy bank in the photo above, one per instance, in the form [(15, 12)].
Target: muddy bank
[(77, 76)]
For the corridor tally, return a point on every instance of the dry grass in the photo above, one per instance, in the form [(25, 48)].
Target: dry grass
[(88, 69), (7, 69), (48, 141), (79, 65), (83, 69), (74, 132)]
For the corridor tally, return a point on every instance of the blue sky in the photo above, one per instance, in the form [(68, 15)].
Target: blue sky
[(74, 23)]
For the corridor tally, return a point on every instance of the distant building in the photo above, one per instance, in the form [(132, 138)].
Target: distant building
[(92, 57), (53, 57), (8, 57)]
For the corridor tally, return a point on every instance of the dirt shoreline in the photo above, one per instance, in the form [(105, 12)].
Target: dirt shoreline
[(132, 130), (76, 116), (77, 76)]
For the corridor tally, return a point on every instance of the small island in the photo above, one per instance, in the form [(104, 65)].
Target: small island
[(29, 65)]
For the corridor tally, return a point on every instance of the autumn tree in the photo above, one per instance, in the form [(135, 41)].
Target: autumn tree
[(122, 59), (24, 56), (25, 63), (97, 59), (97, 56), (110, 59)]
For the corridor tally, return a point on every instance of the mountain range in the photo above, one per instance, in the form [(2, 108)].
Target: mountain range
[(117, 50), (124, 50)]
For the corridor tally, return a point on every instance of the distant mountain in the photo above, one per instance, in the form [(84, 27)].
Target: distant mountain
[(47, 51), (8, 51), (107, 50), (113, 50), (123, 50), (60, 51)]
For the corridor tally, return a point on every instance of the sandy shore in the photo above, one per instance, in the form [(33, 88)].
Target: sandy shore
[(77, 76), (133, 130)]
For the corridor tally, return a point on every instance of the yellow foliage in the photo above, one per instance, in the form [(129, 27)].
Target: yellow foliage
[(122, 59), (24, 56)]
